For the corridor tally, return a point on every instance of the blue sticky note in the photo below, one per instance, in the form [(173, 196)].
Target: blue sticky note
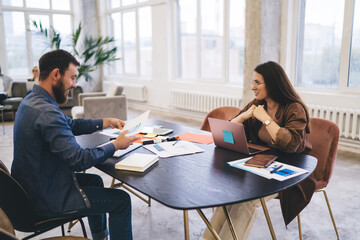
[(228, 137)]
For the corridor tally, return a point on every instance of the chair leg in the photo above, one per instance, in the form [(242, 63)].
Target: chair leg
[(268, 218), (331, 215), (62, 230), (299, 226), (71, 224), (83, 227)]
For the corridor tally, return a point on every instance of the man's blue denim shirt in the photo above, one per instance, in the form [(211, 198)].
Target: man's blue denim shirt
[(46, 154)]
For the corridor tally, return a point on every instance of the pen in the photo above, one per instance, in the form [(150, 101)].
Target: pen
[(176, 142), (174, 138), (276, 168)]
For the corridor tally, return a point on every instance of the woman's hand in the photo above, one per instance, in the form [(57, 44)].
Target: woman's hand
[(245, 115), (260, 114)]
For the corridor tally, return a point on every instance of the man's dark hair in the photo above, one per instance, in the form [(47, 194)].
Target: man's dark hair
[(59, 58)]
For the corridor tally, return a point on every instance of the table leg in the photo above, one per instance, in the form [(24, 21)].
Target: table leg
[(231, 226), (208, 224), (268, 218), (186, 225)]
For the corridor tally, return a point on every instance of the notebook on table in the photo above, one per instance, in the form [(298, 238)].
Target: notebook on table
[(137, 162), (232, 136)]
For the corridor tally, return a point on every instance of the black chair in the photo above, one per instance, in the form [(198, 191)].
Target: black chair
[(7, 230), (16, 204)]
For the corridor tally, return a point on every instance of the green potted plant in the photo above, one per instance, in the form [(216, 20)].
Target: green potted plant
[(92, 52)]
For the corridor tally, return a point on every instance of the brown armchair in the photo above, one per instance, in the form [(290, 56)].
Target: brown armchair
[(324, 137), (224, 113)]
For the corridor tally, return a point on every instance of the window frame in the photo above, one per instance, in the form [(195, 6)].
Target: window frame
[(125, 9), (225, 45), (291, 11), (27, 11)]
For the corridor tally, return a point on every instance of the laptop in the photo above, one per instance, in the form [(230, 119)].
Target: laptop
[(232, 136)]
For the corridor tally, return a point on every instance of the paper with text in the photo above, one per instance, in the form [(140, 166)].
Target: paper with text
[(134, 126)]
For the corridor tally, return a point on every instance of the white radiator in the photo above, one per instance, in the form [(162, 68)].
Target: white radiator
[(348, 120), (136, 92), (200, 101)]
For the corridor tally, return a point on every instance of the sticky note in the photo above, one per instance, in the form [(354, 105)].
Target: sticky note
[(228, 137), (150, 135)]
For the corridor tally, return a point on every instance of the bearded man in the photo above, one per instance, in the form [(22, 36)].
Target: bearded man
[(47, 156)]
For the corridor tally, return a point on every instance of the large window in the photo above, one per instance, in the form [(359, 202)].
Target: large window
[(24, 48), (129, 22), (326, 57), (209, 39), (354, 71)]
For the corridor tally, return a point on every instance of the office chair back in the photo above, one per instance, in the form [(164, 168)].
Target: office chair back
[(224, 113), (324, 137), (15, 203)]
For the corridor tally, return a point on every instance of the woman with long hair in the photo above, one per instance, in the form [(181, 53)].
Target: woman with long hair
[(277, 117)]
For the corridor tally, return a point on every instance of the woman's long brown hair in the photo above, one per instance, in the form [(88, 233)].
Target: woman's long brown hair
[(279, 87)]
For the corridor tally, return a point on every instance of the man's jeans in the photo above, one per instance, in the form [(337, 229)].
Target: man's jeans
[(105, 200)]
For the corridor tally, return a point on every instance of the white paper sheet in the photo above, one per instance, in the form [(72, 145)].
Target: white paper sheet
[(170, 149), (285, 172), (134, 126)]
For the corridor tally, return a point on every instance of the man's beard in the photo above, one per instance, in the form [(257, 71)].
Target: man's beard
[(59, 92)]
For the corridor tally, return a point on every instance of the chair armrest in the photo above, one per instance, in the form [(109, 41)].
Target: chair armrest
[(104, 107), (81, 96), (75, 95)]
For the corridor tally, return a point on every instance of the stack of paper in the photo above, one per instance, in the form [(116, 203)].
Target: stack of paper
[(170, 149), (283, 171), (138, 162)]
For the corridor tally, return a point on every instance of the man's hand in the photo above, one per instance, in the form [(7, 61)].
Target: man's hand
[(122, 141), (113, 123)]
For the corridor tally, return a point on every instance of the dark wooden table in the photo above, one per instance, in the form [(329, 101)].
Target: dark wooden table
[(202, 180)]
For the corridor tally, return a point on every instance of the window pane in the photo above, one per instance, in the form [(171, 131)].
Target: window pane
[(211, 38), (115, 3), (38, 4), (129, 42), (354, 71), (15, 43), (62, 24), (318, 59), (128, 2), (115, 31), (14, 3), (61, 5), (39, 44), (145, 40), (186, 62), (236, 40)]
